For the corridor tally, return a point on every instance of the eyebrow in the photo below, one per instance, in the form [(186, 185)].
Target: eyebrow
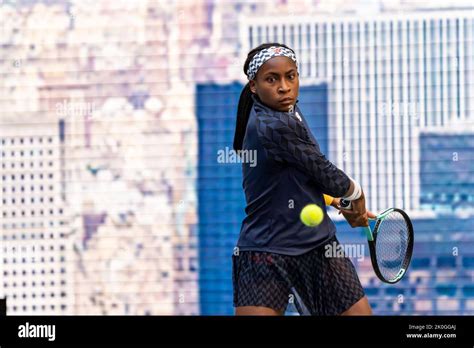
[(275, 73)]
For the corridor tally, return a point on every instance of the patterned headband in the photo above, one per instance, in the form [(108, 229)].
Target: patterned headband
[(264, 55)]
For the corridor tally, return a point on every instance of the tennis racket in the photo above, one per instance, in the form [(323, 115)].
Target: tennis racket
[(390, 243)]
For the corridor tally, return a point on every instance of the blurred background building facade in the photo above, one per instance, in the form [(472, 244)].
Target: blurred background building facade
[(390, 75)]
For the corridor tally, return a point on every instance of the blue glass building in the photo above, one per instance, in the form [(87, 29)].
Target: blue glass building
[(221, 200), (447, 168), (439, 280)]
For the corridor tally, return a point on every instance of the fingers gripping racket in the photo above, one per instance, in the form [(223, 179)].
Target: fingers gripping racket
[(390, 243)]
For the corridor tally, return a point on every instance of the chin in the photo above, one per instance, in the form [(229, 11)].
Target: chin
[(284, 108)]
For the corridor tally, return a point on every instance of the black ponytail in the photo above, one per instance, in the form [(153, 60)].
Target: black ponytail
[(245, 100), (243, 112)]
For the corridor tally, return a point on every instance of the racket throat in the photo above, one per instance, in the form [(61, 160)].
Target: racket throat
[(369, 234)]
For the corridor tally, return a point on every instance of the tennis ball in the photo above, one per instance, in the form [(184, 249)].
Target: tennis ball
[(311, 215)]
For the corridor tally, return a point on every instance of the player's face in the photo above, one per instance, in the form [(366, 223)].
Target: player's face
[(277, 83)]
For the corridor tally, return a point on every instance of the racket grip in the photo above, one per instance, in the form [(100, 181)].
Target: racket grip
[(368, 233), (328, 199)]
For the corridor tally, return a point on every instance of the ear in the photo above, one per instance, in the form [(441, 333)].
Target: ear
[(253, 87)]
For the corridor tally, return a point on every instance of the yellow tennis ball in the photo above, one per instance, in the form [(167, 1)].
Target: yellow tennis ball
[(311, 215)]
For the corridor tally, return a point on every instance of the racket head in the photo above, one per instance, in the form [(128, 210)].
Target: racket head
[(392, 247)]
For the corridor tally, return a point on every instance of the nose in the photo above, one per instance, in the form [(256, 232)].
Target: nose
[(284, 87)]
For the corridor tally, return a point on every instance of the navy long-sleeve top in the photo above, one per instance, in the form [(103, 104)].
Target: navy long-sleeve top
[(290, 172)]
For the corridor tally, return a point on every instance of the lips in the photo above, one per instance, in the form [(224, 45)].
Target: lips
[(286, 100)]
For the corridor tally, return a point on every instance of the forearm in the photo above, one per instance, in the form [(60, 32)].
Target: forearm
[(351, 190)]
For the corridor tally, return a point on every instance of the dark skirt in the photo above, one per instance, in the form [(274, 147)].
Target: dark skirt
[(315, 283)]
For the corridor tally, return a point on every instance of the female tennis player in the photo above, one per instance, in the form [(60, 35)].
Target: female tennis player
[(278, 258)]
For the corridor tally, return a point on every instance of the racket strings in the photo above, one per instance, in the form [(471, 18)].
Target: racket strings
[(392, 243)]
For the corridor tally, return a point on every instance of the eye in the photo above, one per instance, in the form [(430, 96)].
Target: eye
[(292, 76), (270, 79)]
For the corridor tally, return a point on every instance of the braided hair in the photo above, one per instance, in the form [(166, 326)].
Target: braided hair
[(245, 100)]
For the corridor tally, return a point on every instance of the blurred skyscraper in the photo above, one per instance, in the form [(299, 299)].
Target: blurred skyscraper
[(221, 199), (388, 76), (447, 168), (36, 263)]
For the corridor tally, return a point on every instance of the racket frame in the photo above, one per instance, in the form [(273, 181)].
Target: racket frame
[(373, 253), (380, 217), (372, 238)]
